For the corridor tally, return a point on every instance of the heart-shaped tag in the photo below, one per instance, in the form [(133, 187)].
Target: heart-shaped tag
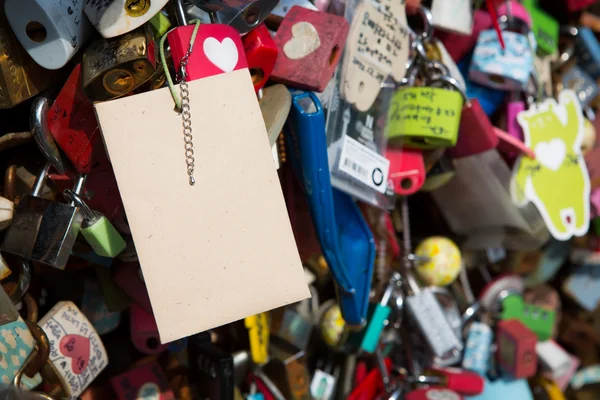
[(223, 55), (305, 40), (76, 347), (551, 154)]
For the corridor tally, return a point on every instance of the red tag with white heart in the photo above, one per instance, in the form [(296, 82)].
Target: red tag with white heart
[(217, 49)]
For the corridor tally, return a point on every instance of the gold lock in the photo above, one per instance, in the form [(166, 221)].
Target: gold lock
[(137, 8), (20, 77), (114, 67)]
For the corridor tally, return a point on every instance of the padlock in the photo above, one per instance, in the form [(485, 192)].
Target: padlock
[(144, 332), (507, 69), (546, 297), (322, 385), (431, 393), (478, 348), (74, 126), (128, 276), (379, 319), (261, 54), (295, 329), (407, 170), (115, 18), (545, 28), (21, 77), (581, 83), (146, 381), (288, 371), (258, 334), (441, 263), (77, 355), (310, 45), (111, 68), (513, 108), (372, 384), (424, 117), (537, 319), (16, 341), (51, 32), (211, 369), (476, 132), (242, 15), (516, 352), (559, 365), (458, 45), (7, 210), (462, 382), (275, 105), (95, 309), (97, 230), (454, 17), (588, 51)]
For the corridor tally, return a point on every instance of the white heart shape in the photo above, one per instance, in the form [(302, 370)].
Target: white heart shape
[(551, 154), (305, 40), (223, 55)]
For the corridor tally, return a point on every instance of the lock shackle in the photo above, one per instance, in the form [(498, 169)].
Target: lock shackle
[(448, 80), (30, 303), (435, 69), (427, 17), (78, 202), (17, 292), (38, 123)]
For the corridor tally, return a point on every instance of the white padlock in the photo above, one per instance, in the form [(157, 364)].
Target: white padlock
[(7, 209), (115, 17), (51, 31), (453, 15)]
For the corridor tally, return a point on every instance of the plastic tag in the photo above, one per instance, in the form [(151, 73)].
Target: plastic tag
[(364, 164)]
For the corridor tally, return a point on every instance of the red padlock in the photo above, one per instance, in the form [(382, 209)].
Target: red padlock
[(217, 49), (516, 349), (146, 381), (476, 132), (261, 53), (74, 126), (372, 385), (577, 5), (461, 381), (407, 170), (144, 332), (433, 393), (310, 46), (128, 276), (459, 46)]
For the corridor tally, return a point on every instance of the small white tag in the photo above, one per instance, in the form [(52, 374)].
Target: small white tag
[(364, 164), (322, 385)]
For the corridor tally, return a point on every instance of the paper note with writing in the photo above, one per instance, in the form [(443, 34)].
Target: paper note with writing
[(424, 117), (207, 250), (453, 15), (557, 180), (377, 46), (77, 354)]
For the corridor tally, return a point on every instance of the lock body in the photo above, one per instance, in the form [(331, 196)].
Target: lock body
[(477, 348), (261, 54), (424, 118), (74, 126), (114, 67), (103, 237), (582, 84), (537, 319), (476, 132), (507, 69), (310, 45), (516, 352), (545, 28), (50, 31), (115, 18), (146, 381), (144, 332), (588, 51), (407, 170), (77, 353)]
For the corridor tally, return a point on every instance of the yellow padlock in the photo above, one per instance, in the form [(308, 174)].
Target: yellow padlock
[(258, 333)]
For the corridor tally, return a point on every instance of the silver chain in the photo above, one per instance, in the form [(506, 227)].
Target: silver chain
[(186, 118)]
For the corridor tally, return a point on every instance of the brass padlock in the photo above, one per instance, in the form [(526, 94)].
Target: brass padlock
[(20, 77), (114, 67)]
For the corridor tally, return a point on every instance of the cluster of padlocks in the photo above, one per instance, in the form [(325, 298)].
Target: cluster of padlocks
[(296, 199)]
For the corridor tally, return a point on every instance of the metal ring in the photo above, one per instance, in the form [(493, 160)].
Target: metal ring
[(22, 285), (427, 33), (39, 129), (448, 80), (78, 201)]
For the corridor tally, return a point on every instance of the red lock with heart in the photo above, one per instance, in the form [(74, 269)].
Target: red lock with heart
[(261, 54), (74, 126), (310, 46), (217, 49), (516, 349), (146, 381), (407, 170)]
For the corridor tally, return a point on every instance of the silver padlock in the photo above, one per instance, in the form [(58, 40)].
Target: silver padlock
[(117, 17), (51, 31), (242, 15), (43, 230)]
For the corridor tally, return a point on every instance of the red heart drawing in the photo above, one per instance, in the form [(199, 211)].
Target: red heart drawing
[(78, 348)]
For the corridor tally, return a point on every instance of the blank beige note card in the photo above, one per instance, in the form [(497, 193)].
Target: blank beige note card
[(223, 249)]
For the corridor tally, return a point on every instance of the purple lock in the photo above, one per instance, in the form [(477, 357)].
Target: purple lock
[(513, 128)]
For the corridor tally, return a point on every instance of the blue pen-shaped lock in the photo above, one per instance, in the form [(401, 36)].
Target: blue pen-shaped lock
[(346, 241)]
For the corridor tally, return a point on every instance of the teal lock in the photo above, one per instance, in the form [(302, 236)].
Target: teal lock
[(539, 320), (97, 230), (379, 318)]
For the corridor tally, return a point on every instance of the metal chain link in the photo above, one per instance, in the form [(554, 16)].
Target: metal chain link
[(186, 118)]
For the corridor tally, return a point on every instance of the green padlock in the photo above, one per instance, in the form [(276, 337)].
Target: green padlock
[(424, 117), (539, 320), (160, 24), (545, 29), (100, 234)]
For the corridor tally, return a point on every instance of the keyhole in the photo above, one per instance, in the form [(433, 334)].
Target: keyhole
[(36, 31), (136, 8), (252, 15), (152, 343), (333, 55), (257, 75), (406, 183)]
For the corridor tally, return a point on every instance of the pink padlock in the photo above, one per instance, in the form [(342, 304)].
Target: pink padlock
[(407, 170), (517, 10), (459, 46), (144, 332)]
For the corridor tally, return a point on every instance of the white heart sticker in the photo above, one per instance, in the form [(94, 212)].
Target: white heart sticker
[(551, 154), (305, 40), (223, 55)]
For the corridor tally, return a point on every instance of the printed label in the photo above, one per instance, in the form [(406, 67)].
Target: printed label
[(364, 164)]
